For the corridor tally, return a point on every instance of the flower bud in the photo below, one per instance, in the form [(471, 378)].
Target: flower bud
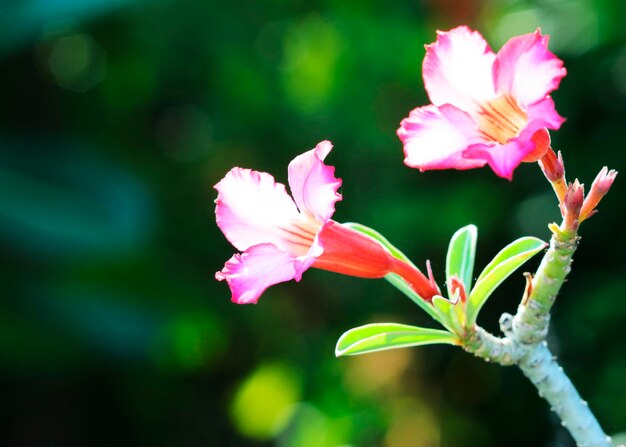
[(552, 166), (554, 170), (573, 203), (599, 187)]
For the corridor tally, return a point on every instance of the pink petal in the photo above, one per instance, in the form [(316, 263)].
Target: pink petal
[(458, 69), (502, 158), (313, 184), (435, 138), (250, 273), (541, 114), (251, 208), (526, 69)]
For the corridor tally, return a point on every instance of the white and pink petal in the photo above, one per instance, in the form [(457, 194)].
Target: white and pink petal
[(525, 69), (251, 208), (250, 273), (436, 137), (502, 158), (542, 114), (458, 69), (313, 184)]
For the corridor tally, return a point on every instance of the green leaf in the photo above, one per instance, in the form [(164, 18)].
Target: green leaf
[(447, 315), (501, 267), (405, 288), (382, 336), (394, 279), (516, 247), (460, 257)]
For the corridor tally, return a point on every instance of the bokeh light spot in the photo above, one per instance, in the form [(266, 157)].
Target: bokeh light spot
[(309, 428), (75, 62), (376, 372), (264, 403), (576, 23), (412, 425), (311, 52), (521, 21)]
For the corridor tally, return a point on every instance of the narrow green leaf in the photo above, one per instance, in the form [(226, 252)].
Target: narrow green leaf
[(394, 279), (503, 265), (405, 288), (383, 336), (447, 315), (516, 247), (460, 257)]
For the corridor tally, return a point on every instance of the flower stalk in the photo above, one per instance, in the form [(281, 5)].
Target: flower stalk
[(542, 369), (552, 166), (530, 323), (525, 342)]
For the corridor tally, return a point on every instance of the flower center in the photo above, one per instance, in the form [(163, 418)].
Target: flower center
[(501, 119), (299, 234)]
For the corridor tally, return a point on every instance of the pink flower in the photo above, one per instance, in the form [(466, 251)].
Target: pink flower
[(281, 237), (486, 108)]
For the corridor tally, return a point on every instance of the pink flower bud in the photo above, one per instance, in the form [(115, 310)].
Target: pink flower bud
[(552, 166), (572, 204), (600, 186)]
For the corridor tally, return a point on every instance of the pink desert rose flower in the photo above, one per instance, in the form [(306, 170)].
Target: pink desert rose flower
[(281, 237), (486, 108)]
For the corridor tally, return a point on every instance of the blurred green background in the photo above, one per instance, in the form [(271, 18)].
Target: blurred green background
[(118, 116)]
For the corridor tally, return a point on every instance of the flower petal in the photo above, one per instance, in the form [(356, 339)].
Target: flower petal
[(542, 114), (502, 158), (251, 208), (352, 253), (526, 69), (458, 69), (435, 138), (313, 184), (250, 273)]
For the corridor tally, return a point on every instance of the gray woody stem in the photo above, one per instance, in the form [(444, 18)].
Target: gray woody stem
[(554, 386), (525, 345)]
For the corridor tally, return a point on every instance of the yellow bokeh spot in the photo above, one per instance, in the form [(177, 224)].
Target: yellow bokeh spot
[(412, 424), (264, 402), (378, 372)]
